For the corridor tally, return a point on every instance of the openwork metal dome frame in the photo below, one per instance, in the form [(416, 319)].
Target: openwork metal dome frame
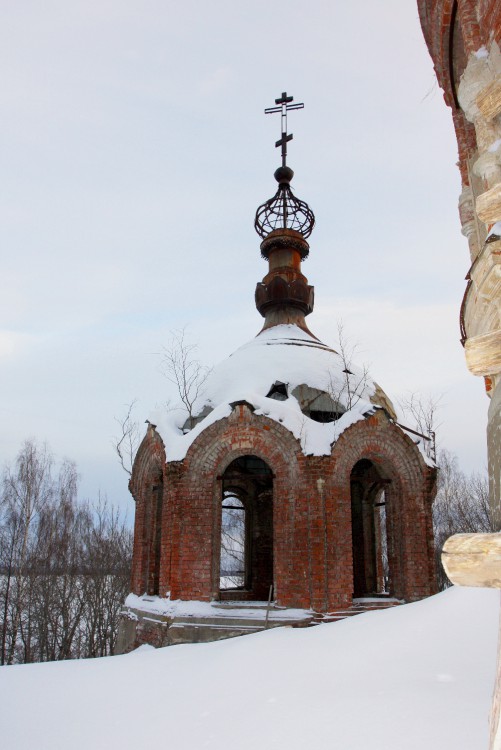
[(284, 211)]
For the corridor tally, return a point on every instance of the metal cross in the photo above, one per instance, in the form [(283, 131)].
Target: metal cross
[(284, 106)]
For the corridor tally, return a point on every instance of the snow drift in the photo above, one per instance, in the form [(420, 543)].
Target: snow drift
[(413, 677)]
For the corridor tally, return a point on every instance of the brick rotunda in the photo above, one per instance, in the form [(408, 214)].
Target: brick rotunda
[(290, 493)]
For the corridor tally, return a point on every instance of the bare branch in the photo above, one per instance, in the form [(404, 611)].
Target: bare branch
[(351, 388), (181, 367), (127, 442), (423, 411)]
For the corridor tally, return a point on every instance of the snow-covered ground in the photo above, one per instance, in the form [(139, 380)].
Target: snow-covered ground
[(417, 676)]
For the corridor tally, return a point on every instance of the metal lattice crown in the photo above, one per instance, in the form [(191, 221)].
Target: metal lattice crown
[(284, 210)]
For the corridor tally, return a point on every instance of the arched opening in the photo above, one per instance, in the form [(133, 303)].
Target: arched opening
[(246, 549), (369, 522)]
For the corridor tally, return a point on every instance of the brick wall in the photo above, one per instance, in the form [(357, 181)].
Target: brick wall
[(463, 38), (312, 533), (147, 488)]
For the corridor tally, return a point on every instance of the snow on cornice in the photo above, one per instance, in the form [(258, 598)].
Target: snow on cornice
[(176, 608)]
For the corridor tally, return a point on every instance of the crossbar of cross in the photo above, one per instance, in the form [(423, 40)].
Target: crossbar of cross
[(284, 105)]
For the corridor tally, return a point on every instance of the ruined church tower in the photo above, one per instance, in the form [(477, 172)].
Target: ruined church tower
[(290, 494)]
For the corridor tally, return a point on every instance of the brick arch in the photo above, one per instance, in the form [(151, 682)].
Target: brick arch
[(242, 433), (409, 498), (197, 526), (383, 443), (147, 487), (150, 459)]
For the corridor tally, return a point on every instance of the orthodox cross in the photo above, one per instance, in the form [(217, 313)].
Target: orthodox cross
[(284, 106)]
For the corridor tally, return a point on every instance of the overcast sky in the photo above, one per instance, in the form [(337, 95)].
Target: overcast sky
[(134, 152)]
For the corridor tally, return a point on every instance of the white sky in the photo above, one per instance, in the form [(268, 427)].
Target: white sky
[(134, 152)]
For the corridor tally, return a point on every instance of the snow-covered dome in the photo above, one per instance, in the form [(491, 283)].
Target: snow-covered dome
[(287, 375), (286, 355)]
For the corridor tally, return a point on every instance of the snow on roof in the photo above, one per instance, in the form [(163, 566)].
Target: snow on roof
[(284, 354)]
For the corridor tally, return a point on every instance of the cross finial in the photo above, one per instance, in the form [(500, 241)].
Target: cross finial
[(284, 106)]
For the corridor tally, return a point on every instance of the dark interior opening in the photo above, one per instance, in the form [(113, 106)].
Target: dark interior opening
[(371, 573), (246, 550), (324, 416), (154, 537), (278, 391)]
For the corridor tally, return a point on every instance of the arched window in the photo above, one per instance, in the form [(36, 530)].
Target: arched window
[(371, 568), (246, 552), (233, 542)]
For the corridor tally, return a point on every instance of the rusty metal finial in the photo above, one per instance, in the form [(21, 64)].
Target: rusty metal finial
[(284, 210)]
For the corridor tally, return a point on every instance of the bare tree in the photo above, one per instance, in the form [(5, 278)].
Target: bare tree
[(462, 501), (423, 412), (461, 506), (107, 562), (57, 602), (10, 530), (182, 368), (127, 441), (232, 563), (352, 386), (26, 492), (64, 564)]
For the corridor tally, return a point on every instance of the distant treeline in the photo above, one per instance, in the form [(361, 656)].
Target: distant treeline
[(64, 564)]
